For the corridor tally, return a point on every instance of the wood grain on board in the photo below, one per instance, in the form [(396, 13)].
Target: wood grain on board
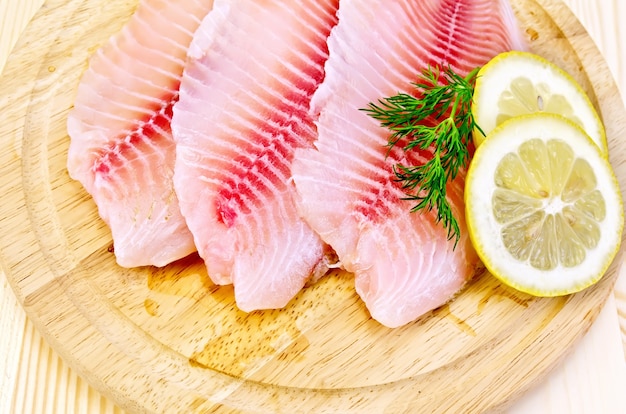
[(168, 339)]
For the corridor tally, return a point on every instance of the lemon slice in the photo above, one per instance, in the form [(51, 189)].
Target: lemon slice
[(543, 207), (518, 83)]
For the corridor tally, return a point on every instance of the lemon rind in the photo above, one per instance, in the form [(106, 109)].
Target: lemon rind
[(541, 69), (561, 281)]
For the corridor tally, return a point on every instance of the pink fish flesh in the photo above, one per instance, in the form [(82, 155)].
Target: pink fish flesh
[(121, 148), (243, 110), (403, 262)]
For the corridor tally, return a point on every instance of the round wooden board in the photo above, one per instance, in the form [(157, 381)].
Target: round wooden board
[(168, 340)]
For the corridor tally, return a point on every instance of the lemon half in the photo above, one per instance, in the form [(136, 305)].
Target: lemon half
[(543, 206), (519, 83)]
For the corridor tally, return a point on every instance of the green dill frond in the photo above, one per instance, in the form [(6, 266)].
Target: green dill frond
[(445, 97)]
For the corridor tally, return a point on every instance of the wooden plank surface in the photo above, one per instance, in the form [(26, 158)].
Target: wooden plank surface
[(589, 380)]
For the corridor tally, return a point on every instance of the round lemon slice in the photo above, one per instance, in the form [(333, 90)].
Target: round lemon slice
[(543, 207), (518, 83)]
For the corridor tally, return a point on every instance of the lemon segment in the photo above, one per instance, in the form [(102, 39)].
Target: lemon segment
[(521, 83), (543, 206)]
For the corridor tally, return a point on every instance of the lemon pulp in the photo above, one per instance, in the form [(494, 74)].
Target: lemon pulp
[(525, 97), (547, 219)]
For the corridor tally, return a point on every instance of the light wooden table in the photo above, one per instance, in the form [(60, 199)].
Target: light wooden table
[(592, 379)]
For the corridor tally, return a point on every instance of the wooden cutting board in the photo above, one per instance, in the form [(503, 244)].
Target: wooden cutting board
[(167, 340)]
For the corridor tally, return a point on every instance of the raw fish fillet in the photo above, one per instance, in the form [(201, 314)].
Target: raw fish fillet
[(243, 110), (121, 148), (403, 262)]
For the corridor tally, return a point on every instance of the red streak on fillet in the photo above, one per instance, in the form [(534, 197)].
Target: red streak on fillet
[(155, 128), (452, 27), (270, 150), (377, 206)]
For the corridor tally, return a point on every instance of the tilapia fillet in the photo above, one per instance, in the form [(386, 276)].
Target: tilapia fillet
[(243, 110), (403, 262), (121, 148)]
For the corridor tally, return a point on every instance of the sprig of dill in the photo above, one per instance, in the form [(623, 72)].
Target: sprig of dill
[(446, 98)]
